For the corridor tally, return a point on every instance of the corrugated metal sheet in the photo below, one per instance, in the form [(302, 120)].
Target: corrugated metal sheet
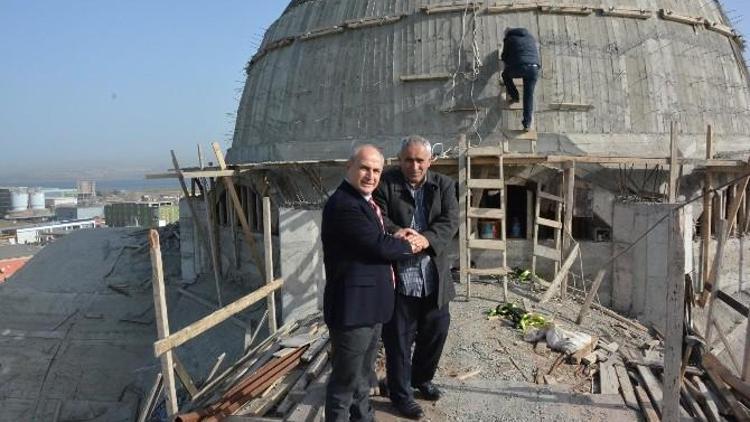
[(314, 98)]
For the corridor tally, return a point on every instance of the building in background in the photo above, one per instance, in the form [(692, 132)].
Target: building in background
[(141, 214), (79, 212), (86, 191), (60, 201), (44, 233)]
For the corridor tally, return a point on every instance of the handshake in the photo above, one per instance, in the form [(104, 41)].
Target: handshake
[(418, 242)]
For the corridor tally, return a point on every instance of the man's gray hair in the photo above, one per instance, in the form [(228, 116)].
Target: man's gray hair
[(415, 140), (358, 148)]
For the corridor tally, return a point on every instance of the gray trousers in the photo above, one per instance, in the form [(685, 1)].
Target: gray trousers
[(354, 351)]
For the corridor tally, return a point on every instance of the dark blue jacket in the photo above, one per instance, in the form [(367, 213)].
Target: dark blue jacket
[(357, 256), (398, 207), (519, 47)]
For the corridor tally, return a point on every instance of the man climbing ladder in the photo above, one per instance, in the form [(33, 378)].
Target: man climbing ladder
[(521, 58)]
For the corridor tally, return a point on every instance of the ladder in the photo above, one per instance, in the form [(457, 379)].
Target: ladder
[(469, 211), (543, 251)]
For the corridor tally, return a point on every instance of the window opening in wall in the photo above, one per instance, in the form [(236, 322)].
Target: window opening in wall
[(517, 212)]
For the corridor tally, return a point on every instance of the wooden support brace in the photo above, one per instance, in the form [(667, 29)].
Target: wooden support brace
[(590, 296), (169, 342), (246, 230), (553, 288), (268, 247), (570, 176), (162, 323), (675, 316), (674, 166)]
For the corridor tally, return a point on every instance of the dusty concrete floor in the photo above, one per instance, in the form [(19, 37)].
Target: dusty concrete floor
[(504, 389)]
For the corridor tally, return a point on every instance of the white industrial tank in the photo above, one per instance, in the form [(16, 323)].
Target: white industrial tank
[(36, 199), (19, 199)]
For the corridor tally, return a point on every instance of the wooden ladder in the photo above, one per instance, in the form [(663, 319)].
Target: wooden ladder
[(543, 251), (469, 211)]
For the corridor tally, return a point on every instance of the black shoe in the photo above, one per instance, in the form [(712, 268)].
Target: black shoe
[(409, 409), (429, 391)]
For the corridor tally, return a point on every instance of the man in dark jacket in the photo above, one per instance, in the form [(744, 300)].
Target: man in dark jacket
[(422, 207), (358, 296), (521, 58)]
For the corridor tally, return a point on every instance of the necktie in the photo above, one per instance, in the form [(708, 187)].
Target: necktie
[(376, 208)]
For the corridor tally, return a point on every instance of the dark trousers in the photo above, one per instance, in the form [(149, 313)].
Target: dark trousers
[(353, 355), (529, 74), (419, 322)]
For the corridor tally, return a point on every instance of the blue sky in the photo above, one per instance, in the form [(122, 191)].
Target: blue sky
[(112, 86)]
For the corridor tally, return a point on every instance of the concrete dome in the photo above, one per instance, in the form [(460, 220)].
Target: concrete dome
[(331, 73)]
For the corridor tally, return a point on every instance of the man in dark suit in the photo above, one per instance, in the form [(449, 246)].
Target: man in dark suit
[(421, 206), (521, 58), (358, 296)]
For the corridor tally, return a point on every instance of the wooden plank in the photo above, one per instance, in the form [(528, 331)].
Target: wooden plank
[(193, 174), (740, 386), (626, 13), (544, 195), (162, 322), (706, 220), (560, 275), (626, 387), (450, 7), (246, 230), (571, 106), (714, 282), (652, 386), (184, 376), (737, 409), (549, 223), (675, 316), (148, 405), (498, 271), (608, 378), (425, 77), (590, 295), (214, 369), (370, 22), (708, 400), (321, 32), (268, 251), (486, 184), (647, 409), (490, 151), (567, 10), (567, 237), (521, 135), (463, 220), (674, 167), (547, 252), (669, 15), (206, 323), (315, 348), (487, 213), (510, 8), (488, 244), (692, 404), (727, 346)]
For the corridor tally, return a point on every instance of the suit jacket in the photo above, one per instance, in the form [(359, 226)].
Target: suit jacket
[(357, 255), (397, 204)]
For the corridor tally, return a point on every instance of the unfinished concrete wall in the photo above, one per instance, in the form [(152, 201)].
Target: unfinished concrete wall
[(301, 262), (640, 274)]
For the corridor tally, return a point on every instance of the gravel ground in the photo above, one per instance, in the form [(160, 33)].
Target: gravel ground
[(504, 389)]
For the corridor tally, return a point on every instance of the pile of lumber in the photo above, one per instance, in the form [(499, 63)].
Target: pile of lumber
[(270, 380), (709, 390)]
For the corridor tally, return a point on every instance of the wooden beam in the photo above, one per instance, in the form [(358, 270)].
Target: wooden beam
[(740, 386), (168, 343), (553, 288), (706, 398), (463, 223), (714, 283), (162, 322), (590, 295), (652, 387), (674, 166), (184, 376), (246, 230), (188, 198), (268, 248), (148, 405), (706, 222), (675, 316), (727, 346), (626, 387), (736, 408), (570, 177), (649, 413)]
